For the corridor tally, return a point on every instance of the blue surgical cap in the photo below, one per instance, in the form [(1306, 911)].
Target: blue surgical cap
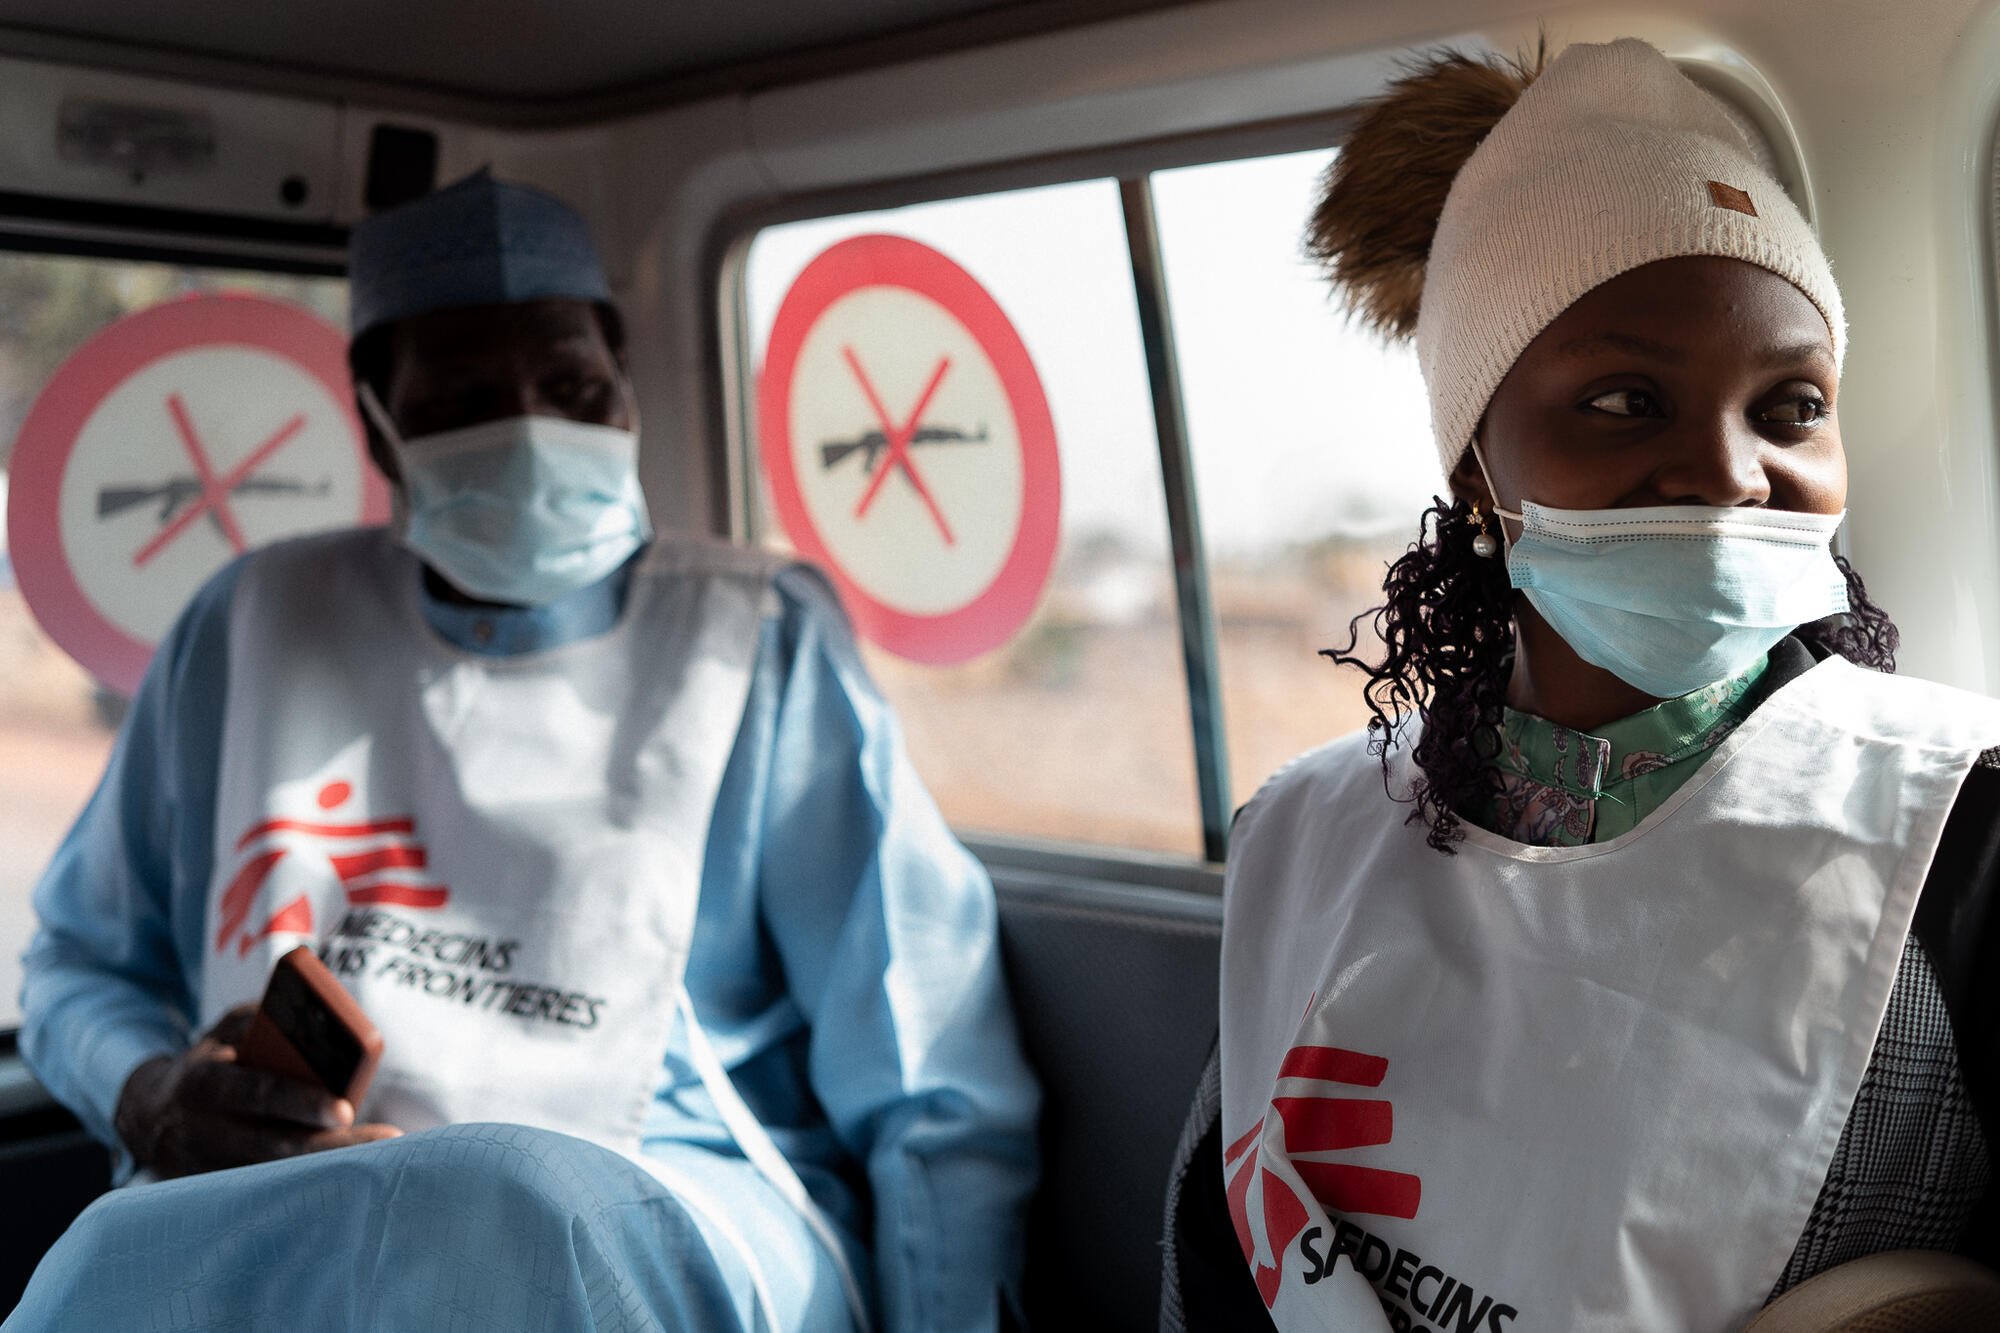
[(479, 242)]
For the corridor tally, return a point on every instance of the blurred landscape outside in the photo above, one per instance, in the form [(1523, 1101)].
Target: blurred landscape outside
[(1312, 452), (1312, 463), (56, 723)]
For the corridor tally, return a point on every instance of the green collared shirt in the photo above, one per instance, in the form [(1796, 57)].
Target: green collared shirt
[(1555, 786)]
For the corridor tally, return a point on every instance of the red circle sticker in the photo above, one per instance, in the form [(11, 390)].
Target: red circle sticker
[(909, 448), (171, 442)]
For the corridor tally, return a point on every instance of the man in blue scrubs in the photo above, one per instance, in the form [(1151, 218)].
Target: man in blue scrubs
[(610, 834)]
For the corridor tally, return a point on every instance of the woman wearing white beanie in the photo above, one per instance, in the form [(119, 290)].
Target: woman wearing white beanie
[(1625, 973)]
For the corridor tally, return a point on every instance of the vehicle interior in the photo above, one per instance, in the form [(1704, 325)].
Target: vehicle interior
[(1128, 180)]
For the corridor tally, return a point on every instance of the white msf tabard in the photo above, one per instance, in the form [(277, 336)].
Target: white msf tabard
[(499, 856), (1571, 1088)]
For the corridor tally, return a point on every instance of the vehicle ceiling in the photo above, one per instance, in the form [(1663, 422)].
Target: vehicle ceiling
[(521, 61)]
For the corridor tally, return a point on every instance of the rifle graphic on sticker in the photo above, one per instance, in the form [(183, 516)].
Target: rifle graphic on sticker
[(176, 493), (871, 444)]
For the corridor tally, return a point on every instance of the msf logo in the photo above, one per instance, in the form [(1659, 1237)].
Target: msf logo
[(374, 861), (1316, 1123)]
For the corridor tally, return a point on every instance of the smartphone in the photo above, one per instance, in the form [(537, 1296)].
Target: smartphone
[(309, 1028)]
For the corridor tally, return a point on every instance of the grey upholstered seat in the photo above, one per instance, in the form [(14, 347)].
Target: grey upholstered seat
[(1115, 989)]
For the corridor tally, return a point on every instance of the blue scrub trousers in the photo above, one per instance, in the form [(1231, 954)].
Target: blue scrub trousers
[(470, 1227)]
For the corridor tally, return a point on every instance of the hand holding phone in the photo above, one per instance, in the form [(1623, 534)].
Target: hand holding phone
[(232, 1099), (309, 1028)]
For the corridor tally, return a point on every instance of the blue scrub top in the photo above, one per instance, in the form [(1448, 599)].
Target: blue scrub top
[(845, 961)]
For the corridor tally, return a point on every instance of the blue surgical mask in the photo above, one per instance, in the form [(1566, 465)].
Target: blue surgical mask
[(523, 509), (1673, 598)]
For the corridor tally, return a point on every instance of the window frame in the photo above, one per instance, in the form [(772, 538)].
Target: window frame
[(1130, 166), (38, 225), (34, 225)]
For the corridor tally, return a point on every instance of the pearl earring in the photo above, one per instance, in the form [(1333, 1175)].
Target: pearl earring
[(1485, 545)]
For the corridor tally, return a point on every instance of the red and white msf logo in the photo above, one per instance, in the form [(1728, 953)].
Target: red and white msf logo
[(375, 861), (1317, 1122)]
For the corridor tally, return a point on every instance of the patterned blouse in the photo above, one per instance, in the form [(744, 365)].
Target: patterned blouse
[(1555, 786)]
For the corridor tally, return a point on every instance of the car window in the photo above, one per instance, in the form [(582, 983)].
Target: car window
[(57, 723), (1073, 726)]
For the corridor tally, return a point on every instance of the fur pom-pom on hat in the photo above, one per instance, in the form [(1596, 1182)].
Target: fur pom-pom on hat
[(1381, 199)]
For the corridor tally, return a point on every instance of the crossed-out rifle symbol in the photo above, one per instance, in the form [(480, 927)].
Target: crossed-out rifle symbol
[(891, 443), (183, 500)]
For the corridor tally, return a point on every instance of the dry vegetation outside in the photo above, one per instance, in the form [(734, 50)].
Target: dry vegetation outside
[(1078, 729)]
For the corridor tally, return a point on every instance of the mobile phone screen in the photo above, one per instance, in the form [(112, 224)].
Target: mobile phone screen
[(320, 1038)]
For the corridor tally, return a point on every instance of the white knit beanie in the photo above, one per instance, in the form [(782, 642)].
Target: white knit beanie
[(1611, 159)]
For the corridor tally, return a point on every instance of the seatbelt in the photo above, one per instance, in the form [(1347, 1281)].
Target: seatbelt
[(763, 1153)]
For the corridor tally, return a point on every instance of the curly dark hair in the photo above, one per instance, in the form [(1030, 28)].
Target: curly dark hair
[(1447, 630)]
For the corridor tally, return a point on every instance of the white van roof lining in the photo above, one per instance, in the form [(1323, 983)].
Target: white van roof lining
[(529, 64)]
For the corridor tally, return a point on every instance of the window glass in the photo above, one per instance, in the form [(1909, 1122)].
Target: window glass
[(56, 723), (1076, 727), (1311, 444)]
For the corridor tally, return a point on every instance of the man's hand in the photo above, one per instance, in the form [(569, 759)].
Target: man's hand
[(201, 1110)]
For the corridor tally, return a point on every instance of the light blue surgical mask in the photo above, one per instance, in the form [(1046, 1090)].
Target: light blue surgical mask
[(523, 509), (1673, 598)]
